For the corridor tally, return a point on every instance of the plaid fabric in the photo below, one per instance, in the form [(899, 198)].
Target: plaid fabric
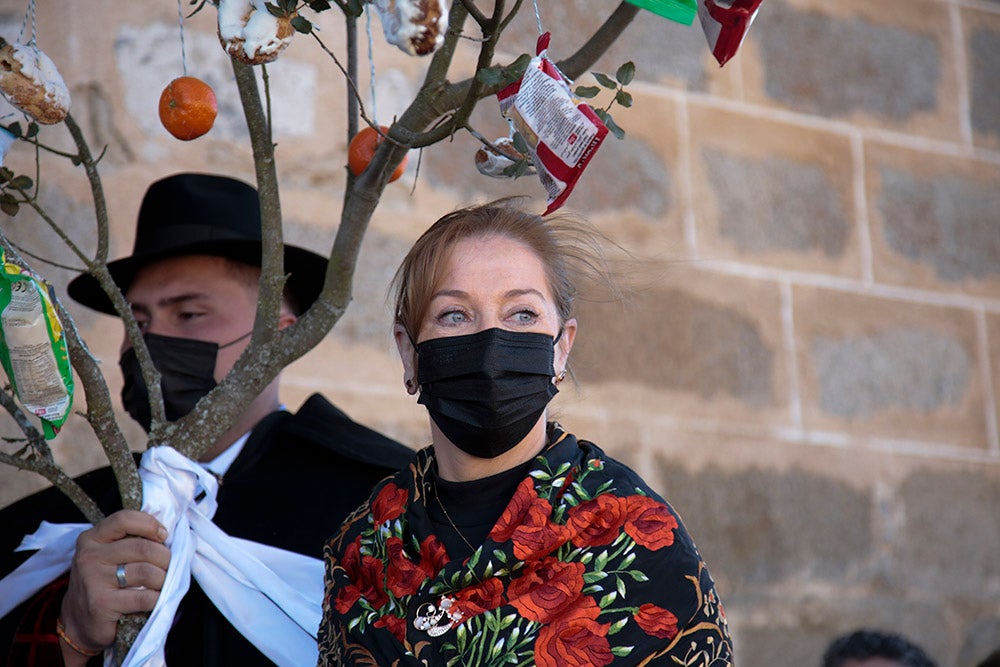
[(35, 642)]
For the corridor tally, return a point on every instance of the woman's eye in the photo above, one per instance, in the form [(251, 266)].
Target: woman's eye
[(454, 317), (525, 317)]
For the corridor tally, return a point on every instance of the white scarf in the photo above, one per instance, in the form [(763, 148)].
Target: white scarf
[(272, 596)]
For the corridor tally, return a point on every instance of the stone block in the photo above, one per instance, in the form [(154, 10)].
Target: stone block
[(693, 345), (768, 526), (883, 64), (949, 538), (982, 44), (888, 369), (993, 350), (934, 220), (772, 193)]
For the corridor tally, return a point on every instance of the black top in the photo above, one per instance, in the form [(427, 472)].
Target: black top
[(473, 506)]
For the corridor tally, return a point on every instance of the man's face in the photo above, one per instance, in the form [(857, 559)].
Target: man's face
[(199, 297)]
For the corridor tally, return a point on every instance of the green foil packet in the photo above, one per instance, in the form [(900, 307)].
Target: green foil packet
[(33, 347), (682, 11)]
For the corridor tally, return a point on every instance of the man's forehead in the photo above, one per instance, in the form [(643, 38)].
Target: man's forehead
[(196, 275)]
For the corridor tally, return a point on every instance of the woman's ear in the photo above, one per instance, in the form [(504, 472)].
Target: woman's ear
[(408, 355), (564, 345)]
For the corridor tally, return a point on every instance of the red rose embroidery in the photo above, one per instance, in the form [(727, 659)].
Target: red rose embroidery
[(656, 621), (525, 521), (389, 503), (546, 589), (524, 497), (402, 576), (649, 522), (574, 639), (598, 521), (394, 624), (474, 600), (365, 574), (433, 556)]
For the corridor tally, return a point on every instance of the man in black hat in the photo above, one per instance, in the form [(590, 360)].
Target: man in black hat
[(287, 480)]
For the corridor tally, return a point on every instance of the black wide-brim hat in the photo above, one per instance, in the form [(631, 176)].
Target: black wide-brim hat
[(201, 214)]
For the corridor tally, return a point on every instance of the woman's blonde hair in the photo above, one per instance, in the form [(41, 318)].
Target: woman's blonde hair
[(572, 252)]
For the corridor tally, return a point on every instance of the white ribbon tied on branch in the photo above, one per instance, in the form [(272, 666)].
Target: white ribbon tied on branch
[(272, 596)]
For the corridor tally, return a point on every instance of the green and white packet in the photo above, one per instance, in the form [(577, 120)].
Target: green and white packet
[(33, 347)]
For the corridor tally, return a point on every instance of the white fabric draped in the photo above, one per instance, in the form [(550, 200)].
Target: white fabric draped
[(272, 596)]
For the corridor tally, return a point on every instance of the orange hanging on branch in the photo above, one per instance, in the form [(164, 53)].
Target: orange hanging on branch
[(188, 108), (362, 150)]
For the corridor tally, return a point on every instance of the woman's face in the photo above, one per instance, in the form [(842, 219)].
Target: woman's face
[(489, 282)]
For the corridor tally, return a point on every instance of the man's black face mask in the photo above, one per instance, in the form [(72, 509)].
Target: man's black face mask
[(187, 370)]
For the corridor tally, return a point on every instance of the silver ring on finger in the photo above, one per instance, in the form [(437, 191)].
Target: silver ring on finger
[(120, 575)]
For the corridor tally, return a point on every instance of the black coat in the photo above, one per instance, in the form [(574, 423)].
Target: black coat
[(296, 479)]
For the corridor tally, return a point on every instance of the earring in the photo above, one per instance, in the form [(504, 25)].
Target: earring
[(409, 383), (561, 376)]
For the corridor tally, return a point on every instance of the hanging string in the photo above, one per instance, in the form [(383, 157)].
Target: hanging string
[(30, 13), (180, 21), (371, 64), (538, 19)]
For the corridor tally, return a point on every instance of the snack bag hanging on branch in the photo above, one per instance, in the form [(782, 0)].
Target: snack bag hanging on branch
[(725, 23), (33, 347), (562, 132)]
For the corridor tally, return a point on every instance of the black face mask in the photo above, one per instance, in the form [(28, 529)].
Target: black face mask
[(187, 370), (486, 390)]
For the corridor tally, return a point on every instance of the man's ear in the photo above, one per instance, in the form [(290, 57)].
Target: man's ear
[(408, 355), (564, 345), (286, 319)]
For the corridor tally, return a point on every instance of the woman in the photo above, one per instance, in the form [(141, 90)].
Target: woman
[(509, 541)]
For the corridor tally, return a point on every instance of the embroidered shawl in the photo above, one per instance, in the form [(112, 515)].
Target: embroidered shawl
[(586, 566)]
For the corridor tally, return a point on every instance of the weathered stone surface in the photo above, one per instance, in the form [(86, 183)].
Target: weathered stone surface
[(933, 220), (993, 365), (672, 339), (758, 526), (947, 221), (777, 204), (982, 640), (942, 508), (807, 52), (982, 44), (889, 369), (772, 192), (909, 369)]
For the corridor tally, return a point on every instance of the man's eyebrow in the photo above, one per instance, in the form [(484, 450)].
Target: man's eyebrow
[(170, 301)]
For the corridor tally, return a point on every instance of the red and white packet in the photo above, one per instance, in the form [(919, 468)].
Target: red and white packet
[(562, 132), (725, 23)]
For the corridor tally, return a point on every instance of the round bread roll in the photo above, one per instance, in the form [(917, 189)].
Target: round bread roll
[(250, 33), (30, 81)]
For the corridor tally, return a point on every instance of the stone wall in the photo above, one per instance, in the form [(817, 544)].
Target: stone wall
[(807, 361)]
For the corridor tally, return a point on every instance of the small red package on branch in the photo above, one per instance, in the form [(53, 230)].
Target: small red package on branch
[(725, 23), (562, 132)]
